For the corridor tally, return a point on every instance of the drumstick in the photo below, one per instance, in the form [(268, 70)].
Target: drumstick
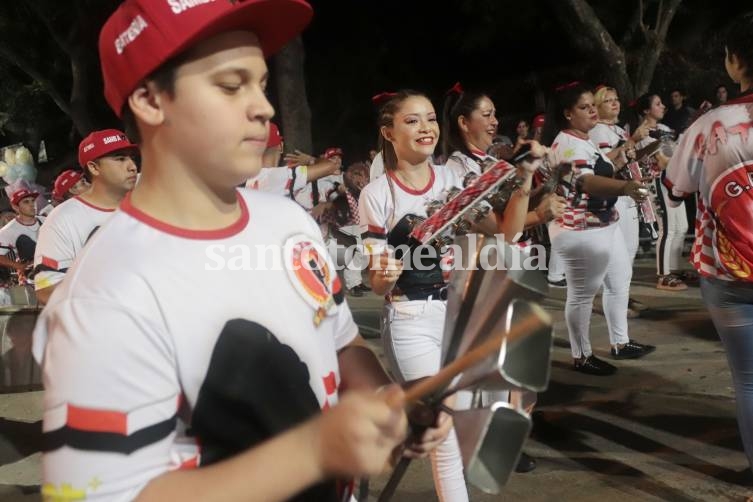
[(536, 319)]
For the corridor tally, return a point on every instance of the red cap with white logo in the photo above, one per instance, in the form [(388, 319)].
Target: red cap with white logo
[(21, 194), (101, 143), (275, 138), (333, 152), (141, 35), (64, 182)]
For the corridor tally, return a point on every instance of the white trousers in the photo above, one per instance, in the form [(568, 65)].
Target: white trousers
[(556, 267), (672, 229), (412, 337), (628, 210), (592, 259)]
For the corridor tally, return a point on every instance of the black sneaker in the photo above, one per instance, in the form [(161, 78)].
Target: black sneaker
[(355, 291), (632, 350), (558, 284), (592, 365), (526, 463), (363, 288)]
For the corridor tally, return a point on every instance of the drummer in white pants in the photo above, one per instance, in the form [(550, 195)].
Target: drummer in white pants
[(586, 233), (618, 147)]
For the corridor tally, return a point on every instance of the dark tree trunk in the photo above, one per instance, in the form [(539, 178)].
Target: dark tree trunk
[(294, 114)]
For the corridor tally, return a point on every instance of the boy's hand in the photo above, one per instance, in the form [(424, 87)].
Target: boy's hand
[(356, 437)]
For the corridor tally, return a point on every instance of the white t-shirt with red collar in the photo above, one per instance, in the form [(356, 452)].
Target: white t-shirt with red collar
[(232, 332), (65, 232), (14, 229), (714, 157), (463, 164), (584, 155)]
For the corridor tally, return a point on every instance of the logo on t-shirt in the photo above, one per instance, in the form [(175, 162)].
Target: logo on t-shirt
[(312, 275)]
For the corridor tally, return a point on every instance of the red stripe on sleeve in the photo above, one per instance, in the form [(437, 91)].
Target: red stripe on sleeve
[(92, 420), (377, 230), (49, 262)]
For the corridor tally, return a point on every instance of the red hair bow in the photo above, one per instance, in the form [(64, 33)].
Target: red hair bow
[(456, 89), (382, 97), (567, 86)]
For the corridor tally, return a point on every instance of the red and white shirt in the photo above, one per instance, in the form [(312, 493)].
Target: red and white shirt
[(714, 157), (232, 333), (13, 230), (585, 157), (463, 164), (279, 180), (65, 232), (607, 137), (381, 207)]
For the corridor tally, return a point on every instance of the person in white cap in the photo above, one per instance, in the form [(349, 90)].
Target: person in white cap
[(165, 349), (107, 159)]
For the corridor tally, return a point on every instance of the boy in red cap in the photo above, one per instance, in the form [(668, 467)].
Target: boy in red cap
[(107, 159), (178, 315), (19, 237)]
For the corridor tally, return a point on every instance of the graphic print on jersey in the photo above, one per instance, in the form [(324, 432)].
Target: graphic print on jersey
[(255, 388), (732, 202), (312, 275)]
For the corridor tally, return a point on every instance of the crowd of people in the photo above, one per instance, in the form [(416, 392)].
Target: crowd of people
[(155, 364)]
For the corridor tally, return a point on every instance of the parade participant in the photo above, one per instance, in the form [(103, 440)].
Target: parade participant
[(415, 310), (18, 238), (160, 352), (585, 234), (715, 158), (619, 147), (290, 179), (69, 183), (107, 159), (673, 225)]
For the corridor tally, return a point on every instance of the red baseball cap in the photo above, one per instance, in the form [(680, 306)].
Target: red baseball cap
[(141, 35), (100, 143), (21, 194), (274, 138), (333, 152), (538, 120), (65, 182)]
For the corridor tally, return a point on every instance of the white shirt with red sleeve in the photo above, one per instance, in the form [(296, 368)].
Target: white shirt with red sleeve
[(583, 154), (714, 157), (64, 233), (279, 180), (167, 348), (381, 207), (607, 137)]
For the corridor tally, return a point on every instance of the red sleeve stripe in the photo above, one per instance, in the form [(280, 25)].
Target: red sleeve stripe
[(377, 230), (580, 162), (49, 262), (92, 420), (604, 145)]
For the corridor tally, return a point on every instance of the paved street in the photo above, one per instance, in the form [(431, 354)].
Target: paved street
[(662, 428)]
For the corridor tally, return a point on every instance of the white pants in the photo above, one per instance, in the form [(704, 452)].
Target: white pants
[(412, 337), (628, 210), (672, 229), (592, 259), (352, 262), (556, 265)]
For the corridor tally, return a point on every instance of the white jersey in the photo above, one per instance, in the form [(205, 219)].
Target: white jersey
[(380, 207), (64, 234), (714, 157), (583, 211), (232, 333), (377, 167), (15, 230), (607, 137), (46, 210), (279, 180), (463, 164), (325, 186)]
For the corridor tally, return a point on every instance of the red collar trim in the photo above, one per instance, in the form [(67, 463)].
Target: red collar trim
[(747, 97), (36, 221), (221, 233), (82, 201), (477, 153), (410, 190)]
